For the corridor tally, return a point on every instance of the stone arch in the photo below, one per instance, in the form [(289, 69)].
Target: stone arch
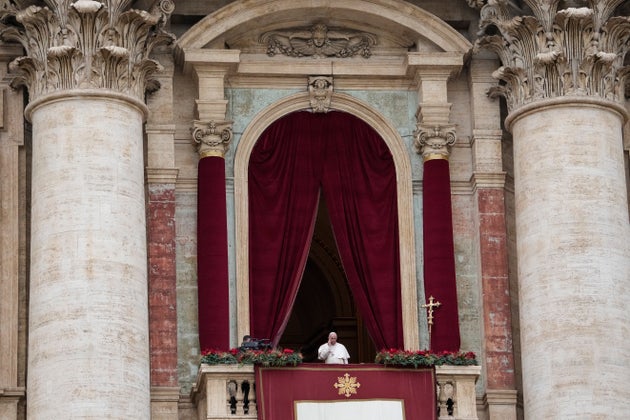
[(394, 142), (407, 17)]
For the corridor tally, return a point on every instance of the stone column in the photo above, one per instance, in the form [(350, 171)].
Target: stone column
[(12, 349), (161, 177), (212, 237), (212, 135), (564, 91), (87, 70), (488, 186), (434, 137)]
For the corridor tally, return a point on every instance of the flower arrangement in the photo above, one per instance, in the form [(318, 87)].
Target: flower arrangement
[(270, 357), (219, 357), (397, 357)]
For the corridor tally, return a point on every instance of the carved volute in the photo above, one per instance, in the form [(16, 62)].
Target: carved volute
[(434, 142), (556, 52), (86, 44)]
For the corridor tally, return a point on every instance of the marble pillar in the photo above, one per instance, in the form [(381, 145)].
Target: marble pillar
[(88, 324), (87, 69), (574, 261), (564, 85)]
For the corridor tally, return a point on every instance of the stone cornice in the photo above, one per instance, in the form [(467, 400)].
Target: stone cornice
[(487, 180), (161, 175), (557, 53), (86, 44)]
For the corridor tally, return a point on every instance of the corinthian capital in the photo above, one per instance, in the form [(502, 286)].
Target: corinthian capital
[(86, 44), (434, 141), (213, 138), (557, 51)]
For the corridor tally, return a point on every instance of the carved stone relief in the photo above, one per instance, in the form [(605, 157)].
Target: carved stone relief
[(573, 51), (320, 89), (213, 138), (433, 141), (318, 41), (86, 44)]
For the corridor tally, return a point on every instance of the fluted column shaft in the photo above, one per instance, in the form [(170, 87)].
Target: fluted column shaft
[(88, 324), (573, 261)]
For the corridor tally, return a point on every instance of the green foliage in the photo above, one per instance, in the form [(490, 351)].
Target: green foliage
[(418, 358), (275, 357)]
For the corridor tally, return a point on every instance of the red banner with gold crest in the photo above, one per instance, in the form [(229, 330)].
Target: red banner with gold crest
[(365, 391)]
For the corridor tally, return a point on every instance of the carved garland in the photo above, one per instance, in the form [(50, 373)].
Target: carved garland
[(574, 51), (86, 44), (318, 42)]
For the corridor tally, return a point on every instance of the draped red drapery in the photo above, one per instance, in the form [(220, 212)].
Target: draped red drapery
[(212, 257), (339, 155), (439, 258)]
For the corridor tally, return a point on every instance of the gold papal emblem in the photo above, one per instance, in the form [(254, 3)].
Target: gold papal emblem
[(347, 385)]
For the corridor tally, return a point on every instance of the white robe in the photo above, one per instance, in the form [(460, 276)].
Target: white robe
[(336, 354)]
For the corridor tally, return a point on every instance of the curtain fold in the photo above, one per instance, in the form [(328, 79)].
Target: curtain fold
[(359, 185), (339, 153), (283, 196)]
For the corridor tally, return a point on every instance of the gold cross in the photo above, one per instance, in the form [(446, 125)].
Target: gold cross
[(432, 304)]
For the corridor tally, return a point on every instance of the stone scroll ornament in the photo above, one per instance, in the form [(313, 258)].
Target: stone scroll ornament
[(557, 51), (212, 138), (85, 44), (319, 41), (433, 141)]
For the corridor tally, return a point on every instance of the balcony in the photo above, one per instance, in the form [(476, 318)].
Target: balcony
[(226, 392)]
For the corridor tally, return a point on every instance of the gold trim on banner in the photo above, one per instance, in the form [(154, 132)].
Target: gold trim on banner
[(211, 153), (433, 156)]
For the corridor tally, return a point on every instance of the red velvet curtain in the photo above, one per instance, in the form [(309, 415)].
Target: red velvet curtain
[(360, 188), (339, 154), (283, 196), (439, 259), (212, 257)]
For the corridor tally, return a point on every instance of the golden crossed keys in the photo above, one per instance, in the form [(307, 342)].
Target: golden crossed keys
[(432, 304)]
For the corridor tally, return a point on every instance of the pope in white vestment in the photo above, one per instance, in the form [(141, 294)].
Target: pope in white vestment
[(333, 352)]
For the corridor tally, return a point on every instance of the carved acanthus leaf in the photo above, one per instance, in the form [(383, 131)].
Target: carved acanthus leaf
[(571, 51), (319, 41), (86, 44)]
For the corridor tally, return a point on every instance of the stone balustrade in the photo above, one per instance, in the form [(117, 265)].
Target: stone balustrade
[(226, 392), (456, 397)]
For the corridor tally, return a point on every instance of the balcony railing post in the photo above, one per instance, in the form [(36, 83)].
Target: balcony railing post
[(456, 391)]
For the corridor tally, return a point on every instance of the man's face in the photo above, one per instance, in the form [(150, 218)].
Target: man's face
[(332, 339)]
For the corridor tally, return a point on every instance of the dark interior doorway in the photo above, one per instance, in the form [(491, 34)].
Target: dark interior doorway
[(324, 302)]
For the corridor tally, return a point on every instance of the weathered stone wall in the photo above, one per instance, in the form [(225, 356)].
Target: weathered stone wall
[(399, 107)]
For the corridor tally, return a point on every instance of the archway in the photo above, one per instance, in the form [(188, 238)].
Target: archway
[(223, 47), (400, 157), (300, 161)]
